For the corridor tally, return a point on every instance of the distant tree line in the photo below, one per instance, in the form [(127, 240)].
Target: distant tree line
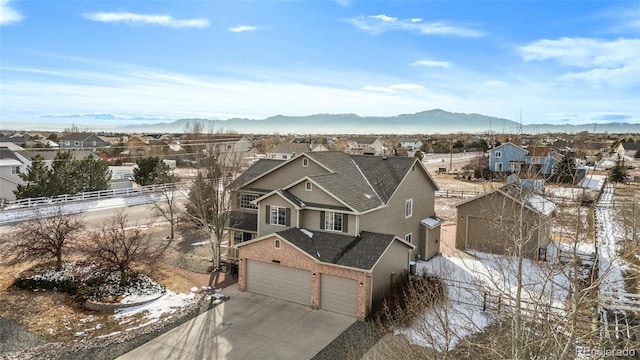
[(65, 176)]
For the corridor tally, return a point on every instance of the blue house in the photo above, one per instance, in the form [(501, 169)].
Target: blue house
[(507, 157), (511, 158)]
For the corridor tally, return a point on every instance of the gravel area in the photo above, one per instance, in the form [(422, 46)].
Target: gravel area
[(106, 348)]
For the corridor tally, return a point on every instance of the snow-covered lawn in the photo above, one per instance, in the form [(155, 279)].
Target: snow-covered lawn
[(545, 288)]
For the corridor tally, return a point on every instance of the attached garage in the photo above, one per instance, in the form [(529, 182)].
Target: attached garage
[(338, 294), (327, 271), (279, 281)]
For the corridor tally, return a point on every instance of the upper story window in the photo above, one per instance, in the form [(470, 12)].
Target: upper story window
[(498, 154), (276, 244), (246, 199), (67, 143), (76, 143), (94, 143), (284, 157), (408, 208), (334, 221), (15, 170), (278, 215), (305, 162), (409, 237), (308, 186)]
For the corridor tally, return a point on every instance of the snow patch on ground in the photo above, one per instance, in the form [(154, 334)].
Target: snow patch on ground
[(168, 303), (609, 231), (593, 182)]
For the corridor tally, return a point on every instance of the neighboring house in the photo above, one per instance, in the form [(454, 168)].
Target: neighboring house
[(507, 157), (324, 221), (365, 145), (410, 144), (628, 149), (12, 164), (493, 222), (542, 160), (286, 151), (82, 141)]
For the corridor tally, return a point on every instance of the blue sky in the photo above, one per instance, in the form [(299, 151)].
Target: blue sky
[(105, 63)]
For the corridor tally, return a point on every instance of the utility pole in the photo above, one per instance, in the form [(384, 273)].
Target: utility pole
[(450, 152)]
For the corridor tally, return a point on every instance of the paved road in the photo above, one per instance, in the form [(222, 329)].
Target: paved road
[(248, 326), (433, 162)]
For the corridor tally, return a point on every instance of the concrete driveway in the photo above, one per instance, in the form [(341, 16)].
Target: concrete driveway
[(248, 326)]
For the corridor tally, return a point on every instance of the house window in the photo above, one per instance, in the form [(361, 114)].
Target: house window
[(67, 143), (409, 237), (305, 162), (15, 170), (499, 167), (333, 221), (278, 215), (93, 143), (498, 154), (308, 186), (408, 208), (246, 199), (76, 143), (276, 244), (284, 157), (515, 167), (240, 237)]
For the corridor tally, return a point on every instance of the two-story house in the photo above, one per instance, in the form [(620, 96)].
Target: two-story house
[(507, 157), (365, 145), (12, 164), (332, 230), (81, 141)]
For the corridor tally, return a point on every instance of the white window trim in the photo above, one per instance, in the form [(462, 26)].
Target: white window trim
[(308, 186), (498, 154), (305, 162), (276, 210), (410, 236), (408, 208), (276, 244), (251, 207), (333, 221)]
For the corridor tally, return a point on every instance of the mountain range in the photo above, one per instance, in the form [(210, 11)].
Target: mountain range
[(431, 121)]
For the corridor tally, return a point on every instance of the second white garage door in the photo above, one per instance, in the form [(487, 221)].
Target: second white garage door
[(279, 281), (339, 295)]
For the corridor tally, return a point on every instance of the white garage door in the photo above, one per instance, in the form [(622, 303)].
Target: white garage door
[(279, 281), (339, 295)]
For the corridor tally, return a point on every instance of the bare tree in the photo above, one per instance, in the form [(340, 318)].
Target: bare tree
[(168, 206), (44, 237), (118, 246), (209, 200)]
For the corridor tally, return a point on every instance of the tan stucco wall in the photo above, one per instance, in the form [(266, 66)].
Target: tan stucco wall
[(290, 256)]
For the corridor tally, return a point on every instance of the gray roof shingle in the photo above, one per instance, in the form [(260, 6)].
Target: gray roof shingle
[(384, 174), (360, 252), (243, 221), (260, 167)]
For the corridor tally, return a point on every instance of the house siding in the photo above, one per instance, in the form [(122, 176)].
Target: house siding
[(290, 256), (391, 219), (316, 195), (394, 263), (274, 200), (287, 174), (509, 152), (310, 220), (478, 226)]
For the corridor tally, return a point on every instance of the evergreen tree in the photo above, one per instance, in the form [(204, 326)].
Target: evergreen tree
[(62, 174), (619, 172), (565, 170), (36, 180), (152, 170), (92, 175)]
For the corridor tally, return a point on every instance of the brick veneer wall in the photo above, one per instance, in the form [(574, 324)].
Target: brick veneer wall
[(290, 256)]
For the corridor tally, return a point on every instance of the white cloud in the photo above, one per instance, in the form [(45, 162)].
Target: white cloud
[(583, 52), (344, 3), (384, 18), (8, 15), (377, 88), (605, 61), (243, 28), (147, 19), (382, 23), (406, 87), (431, 63), (496, 83)]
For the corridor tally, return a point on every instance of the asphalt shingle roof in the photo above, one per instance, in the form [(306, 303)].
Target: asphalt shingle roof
[(260, 167), (360, 252), (243, 221), (384, 174), (529, 197)]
